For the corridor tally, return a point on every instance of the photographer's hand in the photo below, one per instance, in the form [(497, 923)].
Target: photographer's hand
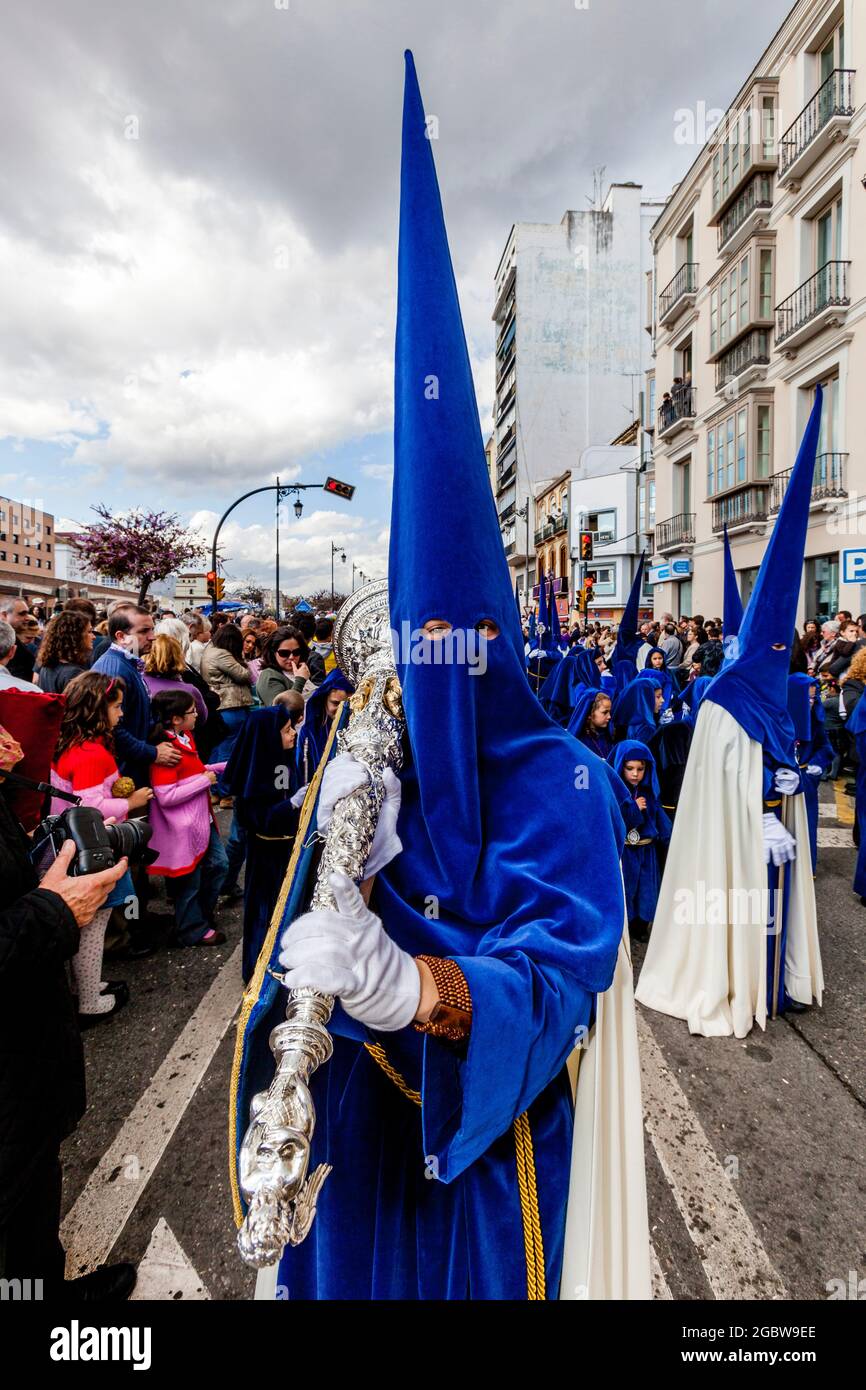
[(83, 896)]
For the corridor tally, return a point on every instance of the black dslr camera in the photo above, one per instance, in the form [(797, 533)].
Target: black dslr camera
[(97, 846)]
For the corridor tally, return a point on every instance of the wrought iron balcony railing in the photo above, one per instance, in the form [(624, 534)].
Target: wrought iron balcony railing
[(828, 480), (740, 508), (681, 404), (684, 282), (835, 97), (827, 287), (757, 194), (677, 530), (751, 351)]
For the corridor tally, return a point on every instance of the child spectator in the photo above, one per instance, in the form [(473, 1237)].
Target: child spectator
[(634, 763), (86, 765), (190, 852)]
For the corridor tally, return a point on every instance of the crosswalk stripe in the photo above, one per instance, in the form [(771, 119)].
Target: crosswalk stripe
[(165, 1273), (728, 1246), (660, 1286), (833, 837), (105, 1204)]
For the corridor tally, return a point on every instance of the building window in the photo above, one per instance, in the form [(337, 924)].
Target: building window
[(605, 580), (768, 132), (711, 462), (765, 303), (741, 446), (744, 291), (748, 579), (764, 450), (733, 306), (822, 586), (602, 524)]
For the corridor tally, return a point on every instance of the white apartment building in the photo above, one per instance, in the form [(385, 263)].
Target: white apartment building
[(760, 295), (571, 350)]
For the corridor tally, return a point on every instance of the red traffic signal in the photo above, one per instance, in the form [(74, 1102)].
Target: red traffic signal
[(339, 489), (586, 545), (210, 577)]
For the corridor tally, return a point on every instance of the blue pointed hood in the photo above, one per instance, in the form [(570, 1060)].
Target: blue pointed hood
[(555, 625), (804, 714), (633, 750), (479, 743), (694, 694), (754, 688), (635, 708), (733, 604), (628, 642)]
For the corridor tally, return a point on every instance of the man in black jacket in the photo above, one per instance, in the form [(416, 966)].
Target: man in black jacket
[(41, 1060)]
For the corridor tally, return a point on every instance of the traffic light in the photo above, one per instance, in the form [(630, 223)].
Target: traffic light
[(339, 489), (586, 545), (220, 587), (580, 601), (211, 578), (588, 586)]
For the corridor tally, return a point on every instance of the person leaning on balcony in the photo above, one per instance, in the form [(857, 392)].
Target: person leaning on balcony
[(668, 413)]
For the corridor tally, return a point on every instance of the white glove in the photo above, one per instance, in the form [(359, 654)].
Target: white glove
[(779, 844), (786, 781), (345, 775), (815, 770), (667, 717), (299, 797), (348, 953)]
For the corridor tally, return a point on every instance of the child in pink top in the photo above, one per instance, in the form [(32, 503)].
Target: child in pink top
[(185, 837), (85, 764)]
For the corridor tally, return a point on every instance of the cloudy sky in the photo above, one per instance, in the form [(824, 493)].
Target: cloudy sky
[(198, 221)]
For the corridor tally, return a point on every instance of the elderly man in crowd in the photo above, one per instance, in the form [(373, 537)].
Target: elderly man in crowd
[(8, 648), (16, 613)]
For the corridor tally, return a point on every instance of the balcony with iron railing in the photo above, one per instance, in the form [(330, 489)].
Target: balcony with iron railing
[(507, 363), (679, 294), (821, 301), (505, 474), (677, 411), (560, 586), (823, 120), (745, 509), (503, 444), (556, 527), (828, 480), (677, 533), (745, 362), (746, 215)]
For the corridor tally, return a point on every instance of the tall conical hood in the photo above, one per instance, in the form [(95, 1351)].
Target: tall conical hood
[(555, 626), (446, 555), (479, 742), (733, 609), (754, 688), (628, 643)]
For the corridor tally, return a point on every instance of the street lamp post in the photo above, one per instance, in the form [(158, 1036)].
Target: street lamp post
[(282, 493), (335, 550)]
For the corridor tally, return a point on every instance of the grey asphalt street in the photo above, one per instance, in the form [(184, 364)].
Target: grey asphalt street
[(755, 1148)]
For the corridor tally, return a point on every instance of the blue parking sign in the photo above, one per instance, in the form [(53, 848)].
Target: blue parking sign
[(854, 566)]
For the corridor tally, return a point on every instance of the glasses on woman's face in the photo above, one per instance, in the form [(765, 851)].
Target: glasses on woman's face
[(287, 652)]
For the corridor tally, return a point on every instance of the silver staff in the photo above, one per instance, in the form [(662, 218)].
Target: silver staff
[(275, 1152)]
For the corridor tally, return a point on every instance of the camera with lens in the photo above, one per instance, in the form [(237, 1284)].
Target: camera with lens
[(97, 846)]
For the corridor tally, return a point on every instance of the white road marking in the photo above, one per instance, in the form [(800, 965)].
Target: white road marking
[(833, 838), (165, 1273), (659, 1282), (104, 1206), (730, 1249), (827, 811)]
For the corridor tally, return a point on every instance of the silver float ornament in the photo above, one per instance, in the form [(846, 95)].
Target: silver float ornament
[(275, 1152)]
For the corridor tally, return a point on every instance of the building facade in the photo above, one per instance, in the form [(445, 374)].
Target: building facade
[(27, 549), (570, 350), (759, 296)]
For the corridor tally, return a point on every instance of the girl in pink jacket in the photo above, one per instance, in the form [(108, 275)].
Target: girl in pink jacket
[(191, 857)]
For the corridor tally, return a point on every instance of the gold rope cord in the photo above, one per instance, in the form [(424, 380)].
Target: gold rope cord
[(253, 989), (532, 1240), (377, 1052)]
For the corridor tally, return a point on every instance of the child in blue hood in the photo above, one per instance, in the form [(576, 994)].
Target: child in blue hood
[(635, 764)]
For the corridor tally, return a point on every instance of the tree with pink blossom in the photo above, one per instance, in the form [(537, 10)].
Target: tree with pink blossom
[(141, 545)]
